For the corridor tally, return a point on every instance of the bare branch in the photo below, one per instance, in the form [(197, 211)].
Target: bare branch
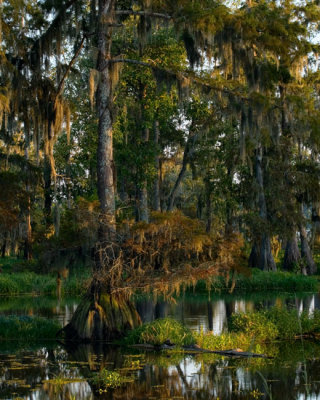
[(75, 56)]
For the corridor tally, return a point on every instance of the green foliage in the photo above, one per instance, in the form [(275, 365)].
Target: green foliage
[(27, 328), (256, 330), (255, 325), (106, 379), (30, 282), (157, 332), (265, 281), (276, 323)]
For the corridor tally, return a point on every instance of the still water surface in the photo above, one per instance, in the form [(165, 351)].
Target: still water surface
[(294, 372)]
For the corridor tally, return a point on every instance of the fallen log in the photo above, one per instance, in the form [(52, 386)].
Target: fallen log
[(196, 349)]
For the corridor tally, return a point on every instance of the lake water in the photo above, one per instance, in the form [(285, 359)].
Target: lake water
[(27, 371)]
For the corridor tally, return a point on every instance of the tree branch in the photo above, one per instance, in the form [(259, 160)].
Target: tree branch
[(61, 84), (144, 13)]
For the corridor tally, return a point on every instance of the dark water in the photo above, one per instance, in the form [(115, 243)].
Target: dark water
[(50, 371)]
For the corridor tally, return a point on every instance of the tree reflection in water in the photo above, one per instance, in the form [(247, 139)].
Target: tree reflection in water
[(165, 375)]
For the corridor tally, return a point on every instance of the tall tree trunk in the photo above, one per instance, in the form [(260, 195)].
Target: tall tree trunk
[(28, 240), (208, 204), (143, 192), (47, 172), (4, 245), (143, 212), (102, 315), (308, 265), (156, 184), (292, 254), (229, 210), (261, 255), (316, 225), (187, 154)]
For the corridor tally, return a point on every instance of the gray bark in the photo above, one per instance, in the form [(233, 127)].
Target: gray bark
[(143, 193), (208, 205), (292, 254), (261, 255), (316, 225), (105, 165), (156, 184), (308, 265)]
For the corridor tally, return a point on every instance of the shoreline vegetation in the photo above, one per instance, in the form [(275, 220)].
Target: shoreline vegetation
[(14, 280), (254, 332)]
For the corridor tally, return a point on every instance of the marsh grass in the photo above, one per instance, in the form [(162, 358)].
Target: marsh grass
[(106, 379), (30, 282), (264, 281), (253, 331), (158, 331), (27, 328)]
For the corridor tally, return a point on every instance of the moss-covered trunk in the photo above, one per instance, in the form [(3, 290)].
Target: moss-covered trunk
[(292, 254), (102, 315), (261, 254)]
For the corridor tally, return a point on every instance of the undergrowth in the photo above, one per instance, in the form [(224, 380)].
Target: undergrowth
[(30, 282), (262, 281), (158, 331), (249, 332), (27, 328)]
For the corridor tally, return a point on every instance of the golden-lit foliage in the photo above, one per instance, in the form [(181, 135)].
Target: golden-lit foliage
[(171, 252)]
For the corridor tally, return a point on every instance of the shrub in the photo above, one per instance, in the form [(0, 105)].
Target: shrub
[(255, 325), (157, 332), (106, 379)]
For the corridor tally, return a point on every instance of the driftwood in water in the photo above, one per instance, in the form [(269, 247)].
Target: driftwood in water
[(196, 349)]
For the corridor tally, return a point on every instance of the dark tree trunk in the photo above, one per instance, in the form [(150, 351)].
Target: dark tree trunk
[(187, 154), (28, 240), (156, 184), (292, 254), (208, 204), (261, 254), (143, 212), (47, 175), (308, 265), (143, 198), (4, 246), (229, 210), (316, 226)]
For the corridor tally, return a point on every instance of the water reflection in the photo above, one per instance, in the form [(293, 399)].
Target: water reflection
[(197, 312), (212, 315), (165, 376), (41, 372)]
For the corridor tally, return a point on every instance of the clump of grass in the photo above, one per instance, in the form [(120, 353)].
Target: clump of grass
[(106, 379), (157, 332), (27, 328)]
